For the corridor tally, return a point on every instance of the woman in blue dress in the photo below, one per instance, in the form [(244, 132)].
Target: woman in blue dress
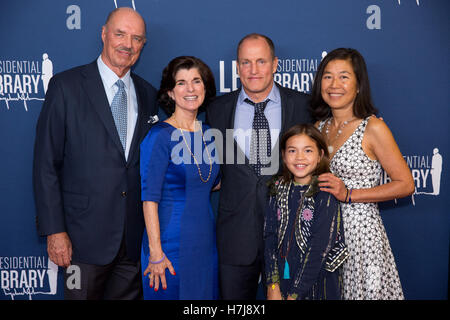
[(178, 172)]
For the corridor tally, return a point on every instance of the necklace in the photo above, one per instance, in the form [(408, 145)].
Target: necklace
[(193, 156), (327, 130)]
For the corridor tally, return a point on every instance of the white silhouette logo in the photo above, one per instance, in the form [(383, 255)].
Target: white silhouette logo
[(47, 71), (436, 170)]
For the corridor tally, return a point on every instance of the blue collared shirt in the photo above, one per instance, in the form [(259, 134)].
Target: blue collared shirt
[(109, 78), (245, 113)]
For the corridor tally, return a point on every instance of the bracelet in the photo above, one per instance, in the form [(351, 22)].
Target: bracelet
[(346, 196), (350, 197), (159, 261)]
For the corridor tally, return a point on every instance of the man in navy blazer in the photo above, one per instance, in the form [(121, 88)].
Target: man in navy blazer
[(243, 191), (86, 181)]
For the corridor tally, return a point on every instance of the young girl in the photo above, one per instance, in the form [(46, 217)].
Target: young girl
[(304, 242)]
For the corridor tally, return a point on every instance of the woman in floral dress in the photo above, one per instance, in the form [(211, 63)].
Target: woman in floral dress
[(360, 145)]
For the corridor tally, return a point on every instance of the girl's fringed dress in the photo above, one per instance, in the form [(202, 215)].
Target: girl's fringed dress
[(304, 241)]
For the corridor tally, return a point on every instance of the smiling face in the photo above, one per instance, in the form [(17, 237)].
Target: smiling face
[(301, 157), (189, 90), (256, 67), (123, 39), (339, 85)]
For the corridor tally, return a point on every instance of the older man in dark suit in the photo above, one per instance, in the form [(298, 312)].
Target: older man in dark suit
[(257, 114), (86, 164)]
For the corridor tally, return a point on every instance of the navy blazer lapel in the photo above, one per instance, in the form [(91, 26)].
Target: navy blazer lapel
[(238, 152), (136, 136), (93, 86), (232, 105), (287, 109)]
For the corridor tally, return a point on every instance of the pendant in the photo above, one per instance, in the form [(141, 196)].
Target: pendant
[(330, 149), (286, 270)]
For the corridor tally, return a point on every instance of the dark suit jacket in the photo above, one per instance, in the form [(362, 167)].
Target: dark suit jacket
[(82, 183), (243, 195)]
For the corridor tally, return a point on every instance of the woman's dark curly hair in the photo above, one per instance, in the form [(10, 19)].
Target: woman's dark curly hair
[(168, 81)]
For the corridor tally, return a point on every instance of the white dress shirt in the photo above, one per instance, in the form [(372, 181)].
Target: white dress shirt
[(109, 78), (243, 119)]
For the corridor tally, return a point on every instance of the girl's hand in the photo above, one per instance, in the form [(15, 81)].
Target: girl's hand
[(332, 184), (273, 292), (158, 272)]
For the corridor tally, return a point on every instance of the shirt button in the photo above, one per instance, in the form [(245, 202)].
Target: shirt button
[(124, 193)]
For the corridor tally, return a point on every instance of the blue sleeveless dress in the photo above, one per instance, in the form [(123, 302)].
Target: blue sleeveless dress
[(170, 176)]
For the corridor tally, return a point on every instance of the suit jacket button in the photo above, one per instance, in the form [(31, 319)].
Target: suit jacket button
[(124, 193)]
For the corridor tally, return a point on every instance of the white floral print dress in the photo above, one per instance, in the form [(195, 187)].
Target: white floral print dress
[(370, 272)]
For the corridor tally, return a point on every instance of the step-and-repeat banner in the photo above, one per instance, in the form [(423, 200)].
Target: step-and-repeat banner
[(406, 47)]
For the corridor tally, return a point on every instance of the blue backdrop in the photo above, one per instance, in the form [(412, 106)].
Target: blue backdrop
[(405, 44)]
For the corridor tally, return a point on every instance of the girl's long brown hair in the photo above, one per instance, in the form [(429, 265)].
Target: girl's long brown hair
[(313, 133)]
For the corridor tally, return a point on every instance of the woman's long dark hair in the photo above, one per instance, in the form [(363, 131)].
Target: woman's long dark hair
[(363, 106)]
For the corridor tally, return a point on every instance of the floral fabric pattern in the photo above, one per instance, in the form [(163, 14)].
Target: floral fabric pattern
[(304, 242), (370, 272)]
